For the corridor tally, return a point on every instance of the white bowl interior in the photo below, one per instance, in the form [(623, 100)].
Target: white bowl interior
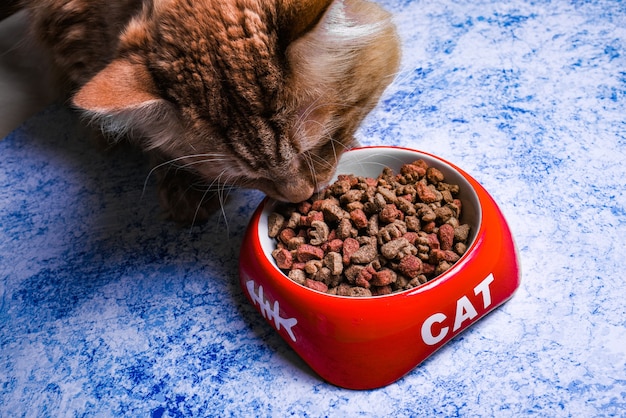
[(369, 162)]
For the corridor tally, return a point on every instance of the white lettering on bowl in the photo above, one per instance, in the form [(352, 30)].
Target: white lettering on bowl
[(465, 311), (269, 311)]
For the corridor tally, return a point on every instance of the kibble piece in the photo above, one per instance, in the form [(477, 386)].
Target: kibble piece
[(334, 263), (413, 171), (383, 277), (352, 272), (344, 290), (312, 216), (275, 223), (391, 231), (351, 196), (429, 227), (286, 234), (381, 290), (389, 196), (332, 211), (364, 277), (412, 237), (446, 236), (443, 214), (461, 232), (410, 266), (442, 267), (426, 193), (379, 202), (454, 222), (359, 218), (312, 266), (402, 282), (397, 248), (316, 285), (294, 220), (308, 252), (319, 233), (406, 207), (373, 225), (412, 223), (425, 212), (297, 276), (344, 229), (304, 207), (434, 175), (323, 275), (365, 254), (295, 242), (354, 206), (366, 240), (447, 197), (335, 245), (283, 257), (389, 213), (437, 256), (350, 245)]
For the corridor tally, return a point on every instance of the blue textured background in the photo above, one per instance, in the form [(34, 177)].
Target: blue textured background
[(107, 310)]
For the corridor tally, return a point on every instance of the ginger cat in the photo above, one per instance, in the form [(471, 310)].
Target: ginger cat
[(261, 94)]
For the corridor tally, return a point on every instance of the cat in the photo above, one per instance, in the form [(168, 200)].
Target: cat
[(262, 94)]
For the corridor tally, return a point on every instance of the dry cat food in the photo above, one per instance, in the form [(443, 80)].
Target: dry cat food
[(372, 236)]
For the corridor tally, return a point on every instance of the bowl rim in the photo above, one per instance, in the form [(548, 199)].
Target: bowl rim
[(259, 225)]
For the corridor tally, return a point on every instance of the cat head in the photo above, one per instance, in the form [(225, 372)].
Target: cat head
[(252, 93)]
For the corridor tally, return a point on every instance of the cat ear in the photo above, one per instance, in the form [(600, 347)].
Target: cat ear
[(299, 16), (124, 99), (121, 85)]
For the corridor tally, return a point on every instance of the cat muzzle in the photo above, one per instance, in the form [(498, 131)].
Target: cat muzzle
[(295, 190)]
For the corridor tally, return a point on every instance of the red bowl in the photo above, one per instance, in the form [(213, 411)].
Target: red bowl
[(365, 343)]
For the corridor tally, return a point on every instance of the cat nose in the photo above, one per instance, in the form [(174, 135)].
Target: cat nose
[(296, 189), (295, 184)]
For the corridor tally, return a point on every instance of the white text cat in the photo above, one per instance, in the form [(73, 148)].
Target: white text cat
[(465, 311)]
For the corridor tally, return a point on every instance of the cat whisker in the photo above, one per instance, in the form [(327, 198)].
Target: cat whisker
[(323, 163), (210, 191), (224, 189), (308, 158), (341, 145), (203, 161), (173, 161), (313, 106)]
